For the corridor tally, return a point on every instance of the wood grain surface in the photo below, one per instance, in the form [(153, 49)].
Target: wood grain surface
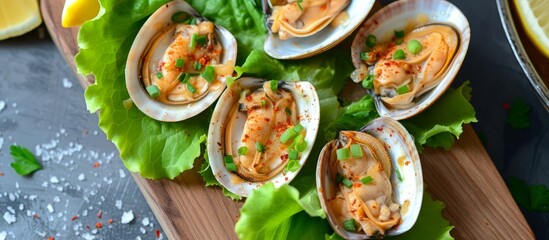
[(477, 200)]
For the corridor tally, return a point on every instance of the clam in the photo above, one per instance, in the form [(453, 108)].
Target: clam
[(262, 131), (408, 54), (370, 182), (303, 28), (178, 63)]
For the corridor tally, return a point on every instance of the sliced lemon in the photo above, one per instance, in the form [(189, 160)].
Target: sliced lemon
[(534, 15), (76, 12), (18, 17)]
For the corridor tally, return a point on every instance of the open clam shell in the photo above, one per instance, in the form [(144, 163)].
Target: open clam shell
[(406, 15), (160, 29), (320, 41), (227, 132), (406, 177)]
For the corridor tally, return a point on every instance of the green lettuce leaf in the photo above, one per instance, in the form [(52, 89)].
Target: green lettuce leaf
[(271, 213), (437, 126)]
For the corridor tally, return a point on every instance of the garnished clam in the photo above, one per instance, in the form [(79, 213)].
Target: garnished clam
[(408, 53), (303, 28), (370, 181), (178, 63), (262, 131)]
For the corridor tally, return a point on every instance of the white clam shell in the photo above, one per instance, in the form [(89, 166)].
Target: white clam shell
[(297, 48), (155, 109), (399, 143), (396, 16), (309, 116)]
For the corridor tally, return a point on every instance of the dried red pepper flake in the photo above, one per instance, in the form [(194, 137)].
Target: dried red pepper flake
[(1, 174), (158, 233), (99, 225), (506, 106), (35, 216), (74, 217), (99, 214), (51, 238), (109, 221), (96, 164)]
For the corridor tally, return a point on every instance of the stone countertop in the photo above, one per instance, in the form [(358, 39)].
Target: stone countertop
[(44, 110)]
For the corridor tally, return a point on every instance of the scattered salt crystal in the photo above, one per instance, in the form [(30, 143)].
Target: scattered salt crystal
[(44, 184), (29, 213), (2, 106), (54, 179), (67, 83), (118, 204), (143, 231), (16, 183), (3, 233), (136, 238), (122, 173), (145, 221), (127, 217), (160, 237), (10, 218), (88, 236), (41, 234), (81, 177), (11, 210), (32, 197), (12, 197), (85, 212), (50, 208), (56, 199), (60, 188), (21, 207), (1, 142), (14, 105)]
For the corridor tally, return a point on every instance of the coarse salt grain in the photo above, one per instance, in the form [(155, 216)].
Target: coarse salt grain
[(145, 221), (50, 208), (127, 217), (10, 218), (54, 179), (118, 204), (81, 177)]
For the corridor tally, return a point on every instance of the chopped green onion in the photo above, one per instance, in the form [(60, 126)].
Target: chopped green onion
[(414, 46), (340, 178), (209, 73), (399, 54), (191, 88), (274, 85), (399, 175), (184, 77), (193, 21), (287, 135), (293, 154), (299, 4), (399, 34), (197, 66), (399, 41), (259, 147), (368, 82), (153, 91), (263, 103), (243, 150), (299, 143), (228, 159), (179, 62), (288, 111), (127, 104), (403, 89), (371, 41), (342, 153), (201, 40), (192, 43), (180, 17), (229, 163), (298, 128), (356, 150), (365, 56), (349, 224), (159, 75), (291, 166), (366, 180)]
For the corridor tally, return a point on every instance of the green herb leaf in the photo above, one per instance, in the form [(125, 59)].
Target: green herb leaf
[(519, 114), (532, 198), (349, 224), (274, 85), (24, 162), (368, 82)]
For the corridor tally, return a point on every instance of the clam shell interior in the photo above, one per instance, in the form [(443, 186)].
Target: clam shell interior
[(404, 156), (308, 114), (397, 16), (156, 22), (296, 48)]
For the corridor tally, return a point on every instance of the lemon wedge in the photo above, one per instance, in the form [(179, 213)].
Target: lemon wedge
[(18, 17), (534, 15), (76, 12)]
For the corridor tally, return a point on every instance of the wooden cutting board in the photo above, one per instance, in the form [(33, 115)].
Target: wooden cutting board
[(478, 202)]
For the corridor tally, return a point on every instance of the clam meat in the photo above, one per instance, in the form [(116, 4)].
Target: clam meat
[(178, 63), (370, 181), (302, 18), (262, 131)]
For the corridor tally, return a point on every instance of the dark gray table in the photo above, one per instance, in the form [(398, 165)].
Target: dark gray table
[(47, 115)]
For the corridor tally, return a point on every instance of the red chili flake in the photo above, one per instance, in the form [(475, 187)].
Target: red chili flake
[(506, 106), (158, 234), (286, 178), (380, 129), (99, 225), (407, 163), (51, 238), (99, 214), (1, 174), (357, 185), (74, 217), (110, 221), (323, 7), (35, 216), (96, 165)]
